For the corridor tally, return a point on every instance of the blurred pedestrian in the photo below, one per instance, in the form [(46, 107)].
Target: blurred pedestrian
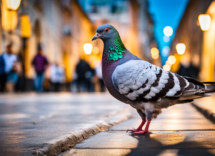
[(3, 76), (9, 76), (194, 66), (84, 74), (184, 65), (99, 75), (20, 86), (40, 64), (57, 77)]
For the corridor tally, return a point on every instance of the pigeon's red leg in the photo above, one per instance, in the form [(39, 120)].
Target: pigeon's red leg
[(145, 131), (139, 128)]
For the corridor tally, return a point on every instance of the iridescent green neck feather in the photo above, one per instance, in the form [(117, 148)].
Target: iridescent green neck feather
[(116, 50)]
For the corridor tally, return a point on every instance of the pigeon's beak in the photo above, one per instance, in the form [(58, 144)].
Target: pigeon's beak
[(96, 36)]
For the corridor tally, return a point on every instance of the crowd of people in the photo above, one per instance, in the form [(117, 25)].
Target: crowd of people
[(48, 77)]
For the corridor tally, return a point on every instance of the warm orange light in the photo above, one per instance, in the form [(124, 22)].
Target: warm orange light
[(205, 21), (9, 18), (88, 47), (166, 67), (13, 4), (180, 47), (171, 59), (25, 26), (155, 53), (96, 50)]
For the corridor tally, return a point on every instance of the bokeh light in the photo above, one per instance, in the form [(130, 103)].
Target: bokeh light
[(155, 53), (166, 38), (96, 50), (13, 4), (180, 47), (165, 51), (168, 31), (166, 67), (88, 47), (204, 21), (171, 59)]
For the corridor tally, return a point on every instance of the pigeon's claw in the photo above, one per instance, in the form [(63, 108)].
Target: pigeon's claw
[(134, 130), (142, 132), (146, 130), (139, 128)]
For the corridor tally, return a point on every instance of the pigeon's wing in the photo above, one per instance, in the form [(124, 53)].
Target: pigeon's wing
[(142, 81)]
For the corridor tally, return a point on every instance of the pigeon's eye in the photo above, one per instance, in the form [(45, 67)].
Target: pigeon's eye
[(106, 30)]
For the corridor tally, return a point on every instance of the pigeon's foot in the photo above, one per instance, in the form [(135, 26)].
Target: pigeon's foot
[(145, 131), (142, 132), (134, 130), (138, 129)]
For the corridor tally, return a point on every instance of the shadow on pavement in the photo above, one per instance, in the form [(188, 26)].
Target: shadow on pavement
[(148, 146)]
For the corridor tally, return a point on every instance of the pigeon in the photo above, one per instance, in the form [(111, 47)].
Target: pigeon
[(144, 86)]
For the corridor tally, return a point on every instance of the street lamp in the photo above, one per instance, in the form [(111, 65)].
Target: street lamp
[(171, 59), (204, 21), (165, 51), (13, 4), (166, 67), (180, 47), (155, 53), (25, 26), (168, 31), (9, 14), (88, 47)]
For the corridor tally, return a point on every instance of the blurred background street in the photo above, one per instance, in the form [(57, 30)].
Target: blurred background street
[(45, 46), (51, 81)]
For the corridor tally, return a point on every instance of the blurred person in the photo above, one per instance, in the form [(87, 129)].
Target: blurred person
[(189, 67), (3, 76), (84, 75), (20, 85), (98, 70), (9, 75), (194, 66), (74, 85), (40, 64), (57, 77), (184, 65), (13, 76)]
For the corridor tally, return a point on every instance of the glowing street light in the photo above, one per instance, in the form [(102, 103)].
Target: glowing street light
[(166, 67), (25, 26), (168, 31), (88, 47), (180, 47), (155, 53), (166, 38), (171, 59), (13, 4), (165, 51), (204, 21)]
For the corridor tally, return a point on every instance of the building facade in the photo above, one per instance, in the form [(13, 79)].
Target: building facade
[(190, 34), (130, 18), (61, 26)]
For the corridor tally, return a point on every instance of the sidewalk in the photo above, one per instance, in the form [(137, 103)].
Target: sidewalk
[(48, 124), (179, 130), (206, 106)]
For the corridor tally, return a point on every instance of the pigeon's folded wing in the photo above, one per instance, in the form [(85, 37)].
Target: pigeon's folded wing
[(142, 81)]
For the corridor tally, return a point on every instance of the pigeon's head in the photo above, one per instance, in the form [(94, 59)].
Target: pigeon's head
[(105, 32)]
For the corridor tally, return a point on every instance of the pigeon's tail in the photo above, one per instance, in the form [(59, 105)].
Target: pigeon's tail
[(210, 87)]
